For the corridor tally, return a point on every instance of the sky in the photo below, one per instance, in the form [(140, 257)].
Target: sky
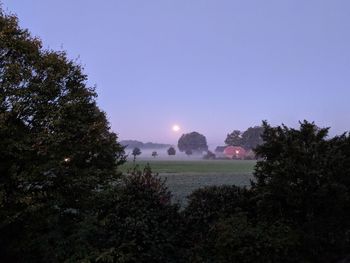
[(207, 66)]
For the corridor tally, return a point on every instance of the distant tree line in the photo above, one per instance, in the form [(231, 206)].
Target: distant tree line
[(62, 198), (131, 144)]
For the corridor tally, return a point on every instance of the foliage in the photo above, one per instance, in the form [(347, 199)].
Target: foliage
[(303, 178), (194, 142), (135, 152), (171, 151), (207, 205), (138, 223), (223, 227), (249, 139), (154, 154), (234, 138), (56, 149), (239, 239)]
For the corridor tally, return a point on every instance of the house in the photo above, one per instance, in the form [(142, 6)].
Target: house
[(231, 152), (235, 152)]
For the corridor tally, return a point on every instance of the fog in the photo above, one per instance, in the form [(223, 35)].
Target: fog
[(146, 154)]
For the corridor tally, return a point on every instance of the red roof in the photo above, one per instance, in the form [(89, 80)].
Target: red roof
[(235, 152)]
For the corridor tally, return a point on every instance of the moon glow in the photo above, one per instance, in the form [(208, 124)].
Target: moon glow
[(176, 128)]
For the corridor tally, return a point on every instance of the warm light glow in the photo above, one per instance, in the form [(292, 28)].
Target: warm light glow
[(66, 159), (237, 152), (176, 128)]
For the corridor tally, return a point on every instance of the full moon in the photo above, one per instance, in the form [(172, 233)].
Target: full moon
[(176, 128)]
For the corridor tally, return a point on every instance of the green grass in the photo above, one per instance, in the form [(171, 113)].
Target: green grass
[(183, 177), (196, 166)]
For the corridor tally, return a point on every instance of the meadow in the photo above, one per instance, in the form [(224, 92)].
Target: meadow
[(184, 176)]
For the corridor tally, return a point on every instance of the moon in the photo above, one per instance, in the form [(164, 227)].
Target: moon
[(176, 128)]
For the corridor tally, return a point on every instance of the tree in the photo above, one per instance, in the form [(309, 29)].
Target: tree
[(138, 223), (171, 151), (194, 142), (154, 154), (303, 178), (234, 138), (251, 138), (56, 149), (135, 152)]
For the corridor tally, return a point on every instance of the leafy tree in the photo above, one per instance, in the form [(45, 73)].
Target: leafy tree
[(138, 223), (194, 142), (303, 178), (239, 239), (135, 152), (234, 138), (206, 208), (154, 154), (171, 151), (251, 138), (56, 149)]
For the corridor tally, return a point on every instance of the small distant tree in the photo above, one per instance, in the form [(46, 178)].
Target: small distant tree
[(154, 154), (136, 152), (171, 151)]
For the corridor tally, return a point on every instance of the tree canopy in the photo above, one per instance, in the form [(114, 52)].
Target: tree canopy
[(56, 149), (194, 142), (249, 139), (136, 152), (171, 151)]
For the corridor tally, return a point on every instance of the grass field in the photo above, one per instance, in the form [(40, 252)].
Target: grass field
[(183, 177), (196, 166)]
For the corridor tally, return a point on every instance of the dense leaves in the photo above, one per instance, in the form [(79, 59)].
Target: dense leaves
[(249, 139), (138, 223), (304, 179), (171, 151), (56, 150), (136, 152), (193, 142)]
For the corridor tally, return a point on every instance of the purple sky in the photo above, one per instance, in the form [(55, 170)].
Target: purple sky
[(209, 66)]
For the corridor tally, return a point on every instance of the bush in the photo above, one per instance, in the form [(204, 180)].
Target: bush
[(239, 239), (138, 223), (303, 178), (206, 207)]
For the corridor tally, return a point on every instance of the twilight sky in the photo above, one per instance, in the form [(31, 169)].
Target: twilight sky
[(209, 66)]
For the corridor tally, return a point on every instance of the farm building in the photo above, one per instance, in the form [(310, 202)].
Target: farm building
[(235, 152), (231, 152)]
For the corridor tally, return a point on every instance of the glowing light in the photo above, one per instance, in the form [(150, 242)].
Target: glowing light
[(237, 152), (66, 159), (176, 128)]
